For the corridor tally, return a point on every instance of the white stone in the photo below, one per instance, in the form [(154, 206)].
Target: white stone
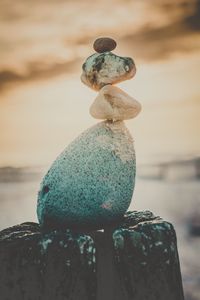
[(114, 104)]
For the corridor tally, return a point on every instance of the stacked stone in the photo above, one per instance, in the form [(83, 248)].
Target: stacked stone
[(90, 185), (100, 71)]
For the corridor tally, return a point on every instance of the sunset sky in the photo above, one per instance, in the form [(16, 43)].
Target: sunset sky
[(44, 105)]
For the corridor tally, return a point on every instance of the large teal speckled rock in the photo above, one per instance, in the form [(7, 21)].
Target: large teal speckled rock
[(91, 183)]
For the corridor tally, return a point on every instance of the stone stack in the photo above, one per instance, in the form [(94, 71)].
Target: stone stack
[(90, 185)]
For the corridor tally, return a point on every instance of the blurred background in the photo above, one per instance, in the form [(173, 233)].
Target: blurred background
[(44, 105)]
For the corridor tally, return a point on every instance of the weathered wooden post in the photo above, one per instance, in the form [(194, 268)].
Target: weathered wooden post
[(135, 260), (88, 188)]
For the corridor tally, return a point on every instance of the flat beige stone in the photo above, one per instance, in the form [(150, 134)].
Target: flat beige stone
[(114, 104)]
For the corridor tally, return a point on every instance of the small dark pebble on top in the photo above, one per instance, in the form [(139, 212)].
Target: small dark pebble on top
[(104, 44)]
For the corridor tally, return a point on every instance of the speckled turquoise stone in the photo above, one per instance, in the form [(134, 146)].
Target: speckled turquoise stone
[(91, 183)]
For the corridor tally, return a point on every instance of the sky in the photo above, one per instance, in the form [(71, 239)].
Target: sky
[(44, 105)]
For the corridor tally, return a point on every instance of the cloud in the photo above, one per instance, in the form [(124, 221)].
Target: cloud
[(150, 31), (150, 44), (36, 72), (179, 35), (193, 20)]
